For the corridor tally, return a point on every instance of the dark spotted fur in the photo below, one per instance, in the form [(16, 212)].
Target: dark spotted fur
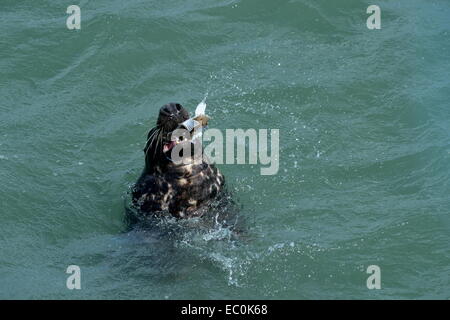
[(183, 190)]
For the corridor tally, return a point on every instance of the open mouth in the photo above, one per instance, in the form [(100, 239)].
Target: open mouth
[(168, 146)]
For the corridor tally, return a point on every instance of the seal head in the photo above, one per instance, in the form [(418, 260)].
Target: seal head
[(170, 116)]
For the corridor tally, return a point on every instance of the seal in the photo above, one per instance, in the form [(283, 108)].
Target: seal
[(184, 189)]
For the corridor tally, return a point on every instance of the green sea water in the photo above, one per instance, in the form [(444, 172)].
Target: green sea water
[(364, 120)]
